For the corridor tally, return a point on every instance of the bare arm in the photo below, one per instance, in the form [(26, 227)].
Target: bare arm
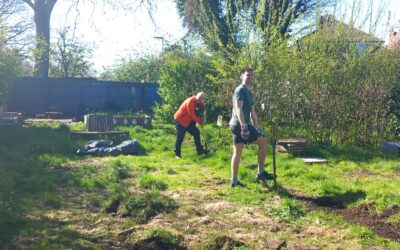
[(253, 117), (239, 111)]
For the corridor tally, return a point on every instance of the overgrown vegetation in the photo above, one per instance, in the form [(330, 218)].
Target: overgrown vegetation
[(10, 64)]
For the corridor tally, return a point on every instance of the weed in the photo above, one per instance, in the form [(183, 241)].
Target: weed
[(120, 170), (394, 218), (365, 235), (289, 210)]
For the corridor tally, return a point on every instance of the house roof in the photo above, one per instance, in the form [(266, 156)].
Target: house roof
[(330, 29)]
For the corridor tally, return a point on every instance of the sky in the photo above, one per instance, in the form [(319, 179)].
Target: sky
[(117, 34)]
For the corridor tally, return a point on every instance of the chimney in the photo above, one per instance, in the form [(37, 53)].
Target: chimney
[(394, 39), (325, 21)]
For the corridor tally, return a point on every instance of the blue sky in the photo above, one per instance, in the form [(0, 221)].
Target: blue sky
[(119, 34)]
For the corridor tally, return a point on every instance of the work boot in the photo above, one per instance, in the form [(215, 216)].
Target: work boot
[(203, 152), (264, 176)]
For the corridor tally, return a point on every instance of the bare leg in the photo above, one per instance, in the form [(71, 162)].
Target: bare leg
[(237, 152), (262, 152)]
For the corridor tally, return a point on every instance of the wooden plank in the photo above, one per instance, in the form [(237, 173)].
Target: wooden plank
[(314, 160)]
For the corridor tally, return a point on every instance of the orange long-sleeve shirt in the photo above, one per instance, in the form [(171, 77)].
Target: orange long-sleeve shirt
[(187, 112)]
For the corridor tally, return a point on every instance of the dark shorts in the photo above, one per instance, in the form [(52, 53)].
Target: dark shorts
[(237, 138)]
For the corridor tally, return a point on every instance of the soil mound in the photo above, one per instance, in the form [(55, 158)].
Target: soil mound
[(366, 214), (155, 243), (225, 243)]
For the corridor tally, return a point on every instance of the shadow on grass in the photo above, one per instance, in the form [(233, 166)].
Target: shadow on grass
[(333, 201), (28, 159), (252, 166), (45, 233), (344, 152)]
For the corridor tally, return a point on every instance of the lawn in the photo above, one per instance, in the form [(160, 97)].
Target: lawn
[(52, 199)]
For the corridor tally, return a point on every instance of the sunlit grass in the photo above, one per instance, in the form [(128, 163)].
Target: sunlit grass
[(33, 174)]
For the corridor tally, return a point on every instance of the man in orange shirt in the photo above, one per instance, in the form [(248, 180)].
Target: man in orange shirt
[(186, 119)]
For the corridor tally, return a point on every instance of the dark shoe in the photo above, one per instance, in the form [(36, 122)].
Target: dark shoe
[(203, 152), (178, 156), (237, 184), (264, 176)]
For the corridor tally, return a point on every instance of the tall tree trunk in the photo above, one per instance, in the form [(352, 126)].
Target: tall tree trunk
[(42, 12), (42, 20)]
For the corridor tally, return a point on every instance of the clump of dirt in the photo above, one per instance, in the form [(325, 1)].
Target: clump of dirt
[(142, 207), (225, 243), (156, 243), (366, 214), (113, 207)]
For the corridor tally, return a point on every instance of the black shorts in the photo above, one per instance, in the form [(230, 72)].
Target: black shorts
[(237, 137)]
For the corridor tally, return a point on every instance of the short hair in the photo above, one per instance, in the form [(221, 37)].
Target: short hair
[(245, 70), (200, 94)]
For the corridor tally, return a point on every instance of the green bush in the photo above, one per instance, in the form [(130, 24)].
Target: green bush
[(182, 75)]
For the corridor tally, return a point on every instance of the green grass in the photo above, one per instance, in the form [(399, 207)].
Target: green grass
[(47, 192), (150, 182), (144, 206), (289, 210)]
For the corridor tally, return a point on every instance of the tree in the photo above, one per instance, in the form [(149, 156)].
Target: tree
[(16, 30), (228, 23), (10, 66), (145, 69), (182, 74), (69, 57), (42, 12)]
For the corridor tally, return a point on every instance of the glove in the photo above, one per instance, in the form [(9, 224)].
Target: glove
[(245, 133), (261, 132)]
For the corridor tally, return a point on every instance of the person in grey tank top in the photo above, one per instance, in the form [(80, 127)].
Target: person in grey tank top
[(244, 127)]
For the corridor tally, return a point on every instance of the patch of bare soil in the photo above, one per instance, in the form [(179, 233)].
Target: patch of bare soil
[(365, 214), (113, 207), (155, 243), (225, 242)]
